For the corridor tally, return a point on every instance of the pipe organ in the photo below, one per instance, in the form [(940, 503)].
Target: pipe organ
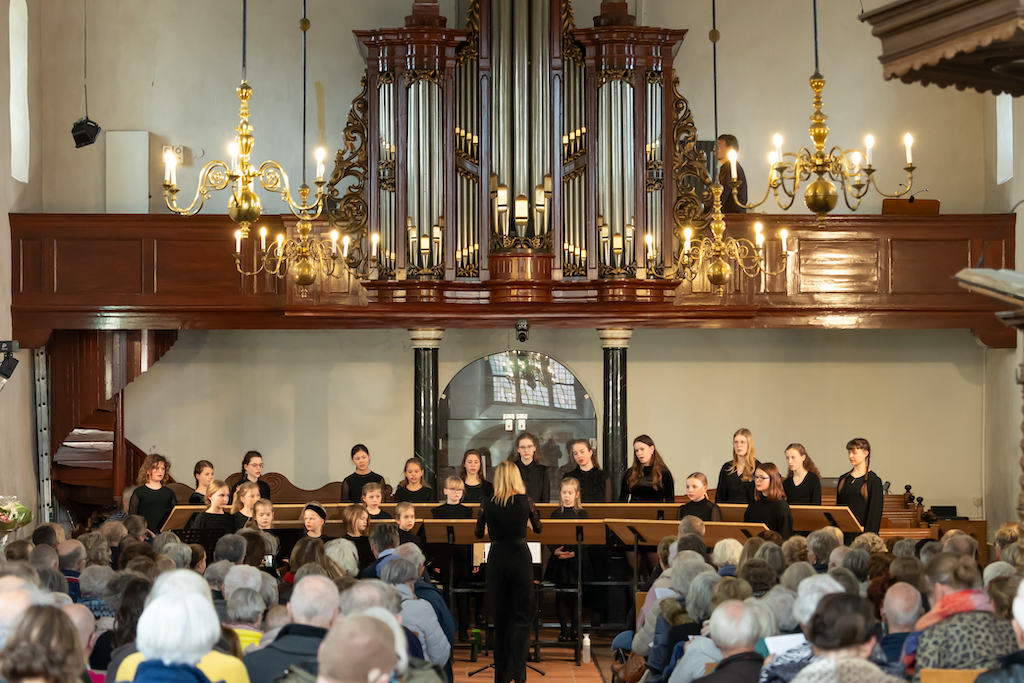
[(519, 147)]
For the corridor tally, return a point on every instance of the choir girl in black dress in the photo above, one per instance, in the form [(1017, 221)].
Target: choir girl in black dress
[(803, 485), (509, 570), (769, 506), (243, 509), (252, 470), (356, 519), (412, 489), (563, 564), (314, 516), (459, 557), (373, 495), (216, 516), (736, 480), (203, 473), (536, 477), (152, 500), (698, 503), (352, 485), (648, 480), (477, 489), (860, 489), (594, 483)]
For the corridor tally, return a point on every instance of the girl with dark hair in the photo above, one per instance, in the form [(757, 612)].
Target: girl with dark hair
[(595, 484), (535, 476), (803, 483), (126, 618), (203, 472), (477, 489), (769, 506), (252, 470), (860, 489), (352, 485), (648, 480), (736, 480), (698, 504), (412, 489), (152, 500)]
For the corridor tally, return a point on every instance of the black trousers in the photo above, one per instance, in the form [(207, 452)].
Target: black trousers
[(511, 593)]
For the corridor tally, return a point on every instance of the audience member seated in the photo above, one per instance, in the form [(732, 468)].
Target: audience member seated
[(85, 624), (726, 556), (44, 557), (794, 549), (1011, 667), (136, 527), (93, 584), (1001, 591), (901, 609), (820, 545), (691, 524), (759, 574), (857, 562), (795, 573), (961, 545), (997, 569), (417, 614), (230, 547), (773, 555), (928, 551), (18, 551), (840, 631), (690, 664), (672, 612), (45, 534), (425, 590), (960, 631), (369, 594), (71, 559), (846, 579), (126, 620), (53, 581), (383, 541), (43, 647), (114, 532), (198, 563), (131, 549), (905, 547), (358, 648), (175, 633), (1008, 534), (870, 543), (97, 550), (734, 630), (344, 554), (836, 557), (784, 667), (238, 577)]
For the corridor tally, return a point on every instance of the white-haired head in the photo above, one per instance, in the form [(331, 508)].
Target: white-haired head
[(344, 554), (242, 576), (726, 552), (180, 581), (411, 552), (810, 592), (734, 627), (177, 628), (401, 643), (314, 602)]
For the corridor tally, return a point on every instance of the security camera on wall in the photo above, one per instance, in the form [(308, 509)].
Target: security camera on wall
[(9, 362)]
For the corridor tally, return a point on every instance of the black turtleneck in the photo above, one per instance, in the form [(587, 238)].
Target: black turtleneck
[(645, 492)]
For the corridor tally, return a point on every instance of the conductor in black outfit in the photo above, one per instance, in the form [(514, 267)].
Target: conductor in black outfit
[(536, 477), (509, 570)]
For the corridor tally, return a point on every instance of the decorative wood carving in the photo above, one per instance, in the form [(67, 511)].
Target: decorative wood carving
[(975, 44), (861, 272)]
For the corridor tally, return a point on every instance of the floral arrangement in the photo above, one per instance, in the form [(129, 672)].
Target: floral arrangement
[(13, 515)]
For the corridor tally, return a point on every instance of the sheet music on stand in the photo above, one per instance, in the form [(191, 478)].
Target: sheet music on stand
[(205, 537)]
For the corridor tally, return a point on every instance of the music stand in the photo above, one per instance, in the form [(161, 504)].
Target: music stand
[(205, 537), (805, 517), (180, 516)]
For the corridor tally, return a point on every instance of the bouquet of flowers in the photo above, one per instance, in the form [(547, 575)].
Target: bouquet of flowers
[(13, 515)]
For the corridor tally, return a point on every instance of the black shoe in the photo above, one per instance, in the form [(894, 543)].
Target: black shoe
[(563, 637)]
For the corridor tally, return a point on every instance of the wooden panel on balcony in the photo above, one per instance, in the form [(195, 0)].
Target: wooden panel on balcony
[(856, 272)]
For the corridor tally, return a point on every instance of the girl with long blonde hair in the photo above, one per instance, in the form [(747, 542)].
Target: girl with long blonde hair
[(736, 480)]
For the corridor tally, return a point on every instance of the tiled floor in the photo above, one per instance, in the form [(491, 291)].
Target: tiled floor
[(557, 664)]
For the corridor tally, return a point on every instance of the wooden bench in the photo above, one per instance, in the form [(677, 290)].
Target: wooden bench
[(950, 675)]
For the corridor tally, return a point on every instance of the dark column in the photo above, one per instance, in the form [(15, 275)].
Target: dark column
[(425, 344), (616, 444)]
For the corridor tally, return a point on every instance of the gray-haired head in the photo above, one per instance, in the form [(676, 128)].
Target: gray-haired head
[(314, 602), (810, 593), (177, 628), (245, 606), (398, 571), (242, 576), (370, 593), (726, 552), (180, 581), (684, 574), (768, 625), (857, 562), (163, 540), (14, 600), (93, 580), (269, 590), (698, 598), (901, 607), (780, 601), (384, 536), (820, 544), (734, 626), (930, 550), (411, 552), (344, 554), (905, 547), (180, 553), (795, 573), (216, 572), (691, 524), (773, 555), (231, 548)]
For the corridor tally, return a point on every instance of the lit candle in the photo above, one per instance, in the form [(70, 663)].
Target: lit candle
[(582, 253), (687, 234), (344, 245), (238, 241), (759, 238), (374, 240), (650, 241), (538, 197), (908, 140), (617, 243), (732, 163), (170, 161), (758, 228), (233, 151), (869, 142), (320, 163), (280, 243), (263, 238), (334, 242), (784, 234), (777, 139)]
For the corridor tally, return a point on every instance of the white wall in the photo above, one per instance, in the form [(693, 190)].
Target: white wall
[(17, 414), (303, 398)]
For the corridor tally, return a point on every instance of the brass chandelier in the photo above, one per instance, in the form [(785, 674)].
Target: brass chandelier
[(850, 168), (302, 257)]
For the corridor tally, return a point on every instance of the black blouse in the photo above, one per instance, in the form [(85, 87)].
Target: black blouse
[(732, 488), (507, 522), (154, 505), (537, 481), (197, 499), (863, 496), (478, 492), (209, 520), (352, 486), (424, 495), (594, 485), (644, 492), (240, 519), (704, 509), (362, 544), (381, 514), (447, 511), (775, 515), (807, 493)]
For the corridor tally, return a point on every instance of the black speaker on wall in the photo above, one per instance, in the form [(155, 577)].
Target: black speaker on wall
[(85, 131)]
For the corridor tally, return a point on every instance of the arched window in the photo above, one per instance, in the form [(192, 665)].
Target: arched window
[(20, 132)]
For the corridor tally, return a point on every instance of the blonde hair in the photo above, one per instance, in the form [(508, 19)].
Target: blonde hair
[(215, 485), (402, 507), (351, 515), (750, 463), (507, 483), (573, 483), (454, 483), (242, 489)]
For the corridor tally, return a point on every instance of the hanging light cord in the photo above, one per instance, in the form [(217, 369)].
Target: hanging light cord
[(245, 16), (714, 76), (85, 53), (816, 70), (305, 26)]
